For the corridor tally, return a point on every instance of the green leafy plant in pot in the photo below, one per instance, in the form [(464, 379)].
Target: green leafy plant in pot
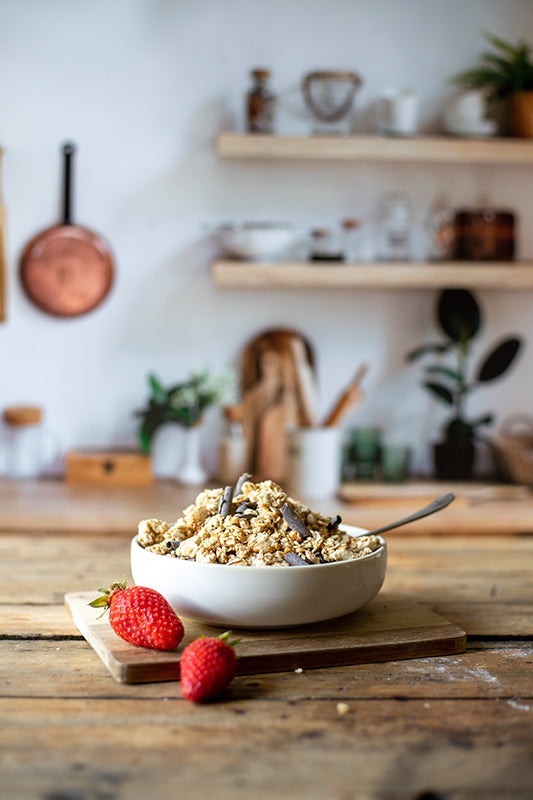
[(183, 403), (453, 381), (506, 73)]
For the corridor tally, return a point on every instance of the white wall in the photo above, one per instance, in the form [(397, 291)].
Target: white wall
[(143, 86)]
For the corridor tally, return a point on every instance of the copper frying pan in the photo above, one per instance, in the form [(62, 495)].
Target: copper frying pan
[(67, 270)]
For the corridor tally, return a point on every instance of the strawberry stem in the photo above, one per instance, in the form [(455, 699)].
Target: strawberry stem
[(104, 600), (225, 638)]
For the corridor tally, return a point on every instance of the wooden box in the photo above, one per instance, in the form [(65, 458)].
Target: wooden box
[(108, 467)]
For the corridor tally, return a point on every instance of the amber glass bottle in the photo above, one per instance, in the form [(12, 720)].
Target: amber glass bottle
[(260, 102)]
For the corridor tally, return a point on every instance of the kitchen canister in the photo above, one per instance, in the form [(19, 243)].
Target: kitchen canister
[(397, 112), (314, 462), (27, 443)]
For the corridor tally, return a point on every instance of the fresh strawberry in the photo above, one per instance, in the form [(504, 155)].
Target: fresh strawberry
[(207, 666), (141, 616)]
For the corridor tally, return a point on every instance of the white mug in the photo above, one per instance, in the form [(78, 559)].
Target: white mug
[(397, 113), (314, 462)]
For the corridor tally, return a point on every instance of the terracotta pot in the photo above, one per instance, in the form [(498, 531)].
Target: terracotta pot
[(521, 114)]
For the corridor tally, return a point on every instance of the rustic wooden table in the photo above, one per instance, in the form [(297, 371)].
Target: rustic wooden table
[(449, 727)]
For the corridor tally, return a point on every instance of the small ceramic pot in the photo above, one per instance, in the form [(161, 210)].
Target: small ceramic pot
[(521, 114)]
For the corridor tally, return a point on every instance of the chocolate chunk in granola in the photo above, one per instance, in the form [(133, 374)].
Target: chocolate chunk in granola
[(224, 506), (246, 509), (293, 520), (172, 545), (294, 560), (334, 522), (241, 481)]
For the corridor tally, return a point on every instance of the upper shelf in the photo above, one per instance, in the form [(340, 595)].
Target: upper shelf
[(428, 149), (312, 275)]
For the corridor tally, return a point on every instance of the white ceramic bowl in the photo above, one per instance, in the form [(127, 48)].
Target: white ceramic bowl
[(262, 597), (256, 241)]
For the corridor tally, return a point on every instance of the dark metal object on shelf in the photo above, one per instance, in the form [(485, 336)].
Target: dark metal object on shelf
[(484, 234)]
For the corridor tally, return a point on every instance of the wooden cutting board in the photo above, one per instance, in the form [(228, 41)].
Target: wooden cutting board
[(388, 629), (414, 493)]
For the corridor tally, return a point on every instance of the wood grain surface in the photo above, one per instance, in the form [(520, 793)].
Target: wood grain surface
[(453, 727), (305, 275), (53, 506), (362, 147), (389, 629)]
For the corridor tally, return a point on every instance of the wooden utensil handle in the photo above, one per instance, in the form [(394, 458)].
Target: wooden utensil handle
[(68, 152), (347, 400)]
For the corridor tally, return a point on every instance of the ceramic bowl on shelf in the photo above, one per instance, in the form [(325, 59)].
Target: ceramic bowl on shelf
[(256, 241), (262, 597)]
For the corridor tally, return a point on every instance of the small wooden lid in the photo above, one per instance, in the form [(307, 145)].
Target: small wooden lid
[(351, 223), (23, 415)]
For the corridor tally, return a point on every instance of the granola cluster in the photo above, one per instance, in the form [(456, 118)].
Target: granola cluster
[(257, 525)]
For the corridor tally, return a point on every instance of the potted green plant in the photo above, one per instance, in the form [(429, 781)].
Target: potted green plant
[(506, 73), (183, 404), (454, 380)]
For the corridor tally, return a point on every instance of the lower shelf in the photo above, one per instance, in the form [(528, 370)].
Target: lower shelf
[(377, 275)]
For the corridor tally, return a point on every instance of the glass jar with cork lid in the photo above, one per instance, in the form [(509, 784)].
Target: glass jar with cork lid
[(27, 442)]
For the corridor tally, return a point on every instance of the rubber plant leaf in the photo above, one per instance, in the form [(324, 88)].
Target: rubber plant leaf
[(434, 347), (441, 391), (445, 371), (499, 360), (486, 419), (458, 314)]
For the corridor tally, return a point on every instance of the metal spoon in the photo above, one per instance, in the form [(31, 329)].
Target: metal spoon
[(436, 505)]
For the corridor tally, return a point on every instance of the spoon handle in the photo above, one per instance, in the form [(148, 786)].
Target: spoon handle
[(436, 505)]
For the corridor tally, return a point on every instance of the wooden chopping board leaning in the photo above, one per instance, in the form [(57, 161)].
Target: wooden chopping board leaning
[(279, 392)]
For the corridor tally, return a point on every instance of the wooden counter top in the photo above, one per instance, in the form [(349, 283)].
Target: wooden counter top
[(448, 727), (53, 505)]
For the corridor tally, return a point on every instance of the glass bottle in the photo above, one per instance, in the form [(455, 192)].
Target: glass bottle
[(440, 231), (260, 103), (352, 240), (395, 227)]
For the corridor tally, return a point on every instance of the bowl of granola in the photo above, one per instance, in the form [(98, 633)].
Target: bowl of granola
[(250, 556)]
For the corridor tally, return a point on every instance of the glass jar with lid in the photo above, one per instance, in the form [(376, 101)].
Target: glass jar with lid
[(440, 230), (24, 434), (325, 245), (353, 244), (394, 221)]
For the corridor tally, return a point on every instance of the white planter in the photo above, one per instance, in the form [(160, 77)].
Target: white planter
[(166, 447), (190, 470)]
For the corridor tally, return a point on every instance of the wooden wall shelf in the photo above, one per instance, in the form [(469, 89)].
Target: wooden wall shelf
[(423, 149), (308, 275)]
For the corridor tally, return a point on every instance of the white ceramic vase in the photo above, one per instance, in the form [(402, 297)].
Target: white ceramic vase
[(190, 469)]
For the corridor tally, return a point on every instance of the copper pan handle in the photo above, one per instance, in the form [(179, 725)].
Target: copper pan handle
[(68, 151)]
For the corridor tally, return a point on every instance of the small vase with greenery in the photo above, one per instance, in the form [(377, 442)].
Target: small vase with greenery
[(506, 73), (183, 404), (454, 380)]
